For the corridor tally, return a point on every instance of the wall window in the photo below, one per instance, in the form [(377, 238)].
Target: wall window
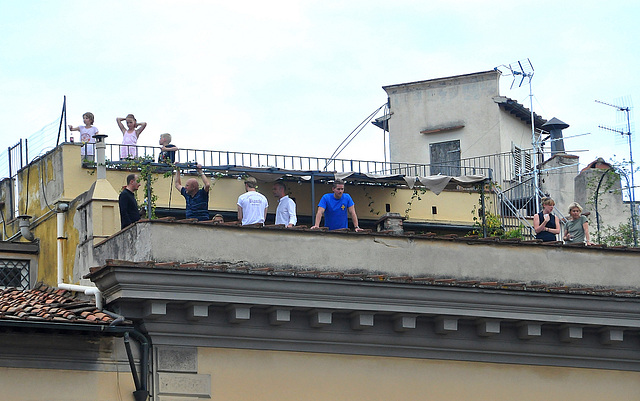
[(445, 158), (14, 273)]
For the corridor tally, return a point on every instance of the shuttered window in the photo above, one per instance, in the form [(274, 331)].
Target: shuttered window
[(445, 158)]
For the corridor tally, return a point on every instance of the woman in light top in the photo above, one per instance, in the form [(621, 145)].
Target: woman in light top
[(577, 228)]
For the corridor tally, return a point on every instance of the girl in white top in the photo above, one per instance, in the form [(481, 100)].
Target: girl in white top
[(130, 135), (86, 136)]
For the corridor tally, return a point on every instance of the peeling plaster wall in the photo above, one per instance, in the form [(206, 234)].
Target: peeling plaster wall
[(612, 210)]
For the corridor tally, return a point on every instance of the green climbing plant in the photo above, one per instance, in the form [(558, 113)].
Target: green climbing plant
[(416, 195), (370, 198), (492, 223), (149, 172)]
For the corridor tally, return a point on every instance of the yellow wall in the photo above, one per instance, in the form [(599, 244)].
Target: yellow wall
[(281, 376), (60, 177), (63, 166), (65, 385)]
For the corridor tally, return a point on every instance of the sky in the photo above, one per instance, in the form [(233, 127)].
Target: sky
[(296, 77)]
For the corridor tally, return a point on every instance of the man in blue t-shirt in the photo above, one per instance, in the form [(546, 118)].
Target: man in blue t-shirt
[(197, 198), (336, 207)]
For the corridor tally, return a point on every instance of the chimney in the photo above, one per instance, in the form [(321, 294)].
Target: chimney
[(100, 157), (555, 127), (390, 223)]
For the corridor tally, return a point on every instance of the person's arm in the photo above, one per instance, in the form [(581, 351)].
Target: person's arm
[(71, 128), (169, 149), (178, 182), (318, 217), (554, 231), (239, 213), (537, 226), (585, 227), (141, 127), (354, 217), (293, 218), (119, 120), (566, 235), (205, 180)]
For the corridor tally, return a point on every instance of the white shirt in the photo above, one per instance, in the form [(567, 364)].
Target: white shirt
[(253, 205), (286, 211)]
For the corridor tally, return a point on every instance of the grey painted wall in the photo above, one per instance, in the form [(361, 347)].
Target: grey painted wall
[(162, 241)]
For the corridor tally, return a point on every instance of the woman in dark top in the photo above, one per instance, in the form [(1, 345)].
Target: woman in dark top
[(547, 225)]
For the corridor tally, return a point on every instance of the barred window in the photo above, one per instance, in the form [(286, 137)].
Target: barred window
[(14, 273)]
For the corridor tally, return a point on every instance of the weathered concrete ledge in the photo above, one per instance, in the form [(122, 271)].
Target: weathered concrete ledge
[(395, 255)]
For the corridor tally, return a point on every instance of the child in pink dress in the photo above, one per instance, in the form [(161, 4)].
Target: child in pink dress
[(128, 149), (86, 136)]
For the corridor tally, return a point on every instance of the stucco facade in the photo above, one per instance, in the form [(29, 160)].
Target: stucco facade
[(356, 327), (240, 313), (462, 108)]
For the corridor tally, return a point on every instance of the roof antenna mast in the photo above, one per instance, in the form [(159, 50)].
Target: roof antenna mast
[(632, 189), (524, 69)]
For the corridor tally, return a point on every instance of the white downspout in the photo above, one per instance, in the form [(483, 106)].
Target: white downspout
[(92, 291)]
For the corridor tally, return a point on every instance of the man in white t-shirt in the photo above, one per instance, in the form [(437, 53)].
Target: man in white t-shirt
[(286, 211), (252, 205)]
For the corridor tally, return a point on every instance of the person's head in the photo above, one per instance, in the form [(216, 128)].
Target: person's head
[(87, 118), (338, 188), (575, 210), (250, 184), (132, 182), (547, 204), (165, 139), (131, 121), (279, 189), (217, 219), (192, 186)]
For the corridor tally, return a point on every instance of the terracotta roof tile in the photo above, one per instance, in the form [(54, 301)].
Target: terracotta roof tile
[(81, 313), (43, 303)]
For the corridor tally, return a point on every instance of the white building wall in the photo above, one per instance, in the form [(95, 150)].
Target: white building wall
[(466, 100)]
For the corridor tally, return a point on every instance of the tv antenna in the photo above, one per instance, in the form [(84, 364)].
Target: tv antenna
[(632, 190), (524, 69)]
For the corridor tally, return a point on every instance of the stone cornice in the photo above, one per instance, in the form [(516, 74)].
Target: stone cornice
[(236, 310)]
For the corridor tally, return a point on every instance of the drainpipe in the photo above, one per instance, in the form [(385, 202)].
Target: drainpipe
[(23, 223), (141, 382), (91, 291)]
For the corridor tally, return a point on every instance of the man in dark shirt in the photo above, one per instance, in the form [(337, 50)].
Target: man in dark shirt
[(129, 212), (197, 198)]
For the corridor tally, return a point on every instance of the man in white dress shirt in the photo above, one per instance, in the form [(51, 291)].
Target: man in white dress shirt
[(286, 211)]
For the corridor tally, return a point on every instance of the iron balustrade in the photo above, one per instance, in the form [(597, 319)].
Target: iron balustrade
[(218, 158)]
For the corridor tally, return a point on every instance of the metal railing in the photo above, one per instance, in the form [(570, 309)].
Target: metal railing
[(16, 156), (218, 158), (514, 204)]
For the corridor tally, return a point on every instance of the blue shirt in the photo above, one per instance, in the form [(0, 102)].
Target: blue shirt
[(198, 205), (336, 215)]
